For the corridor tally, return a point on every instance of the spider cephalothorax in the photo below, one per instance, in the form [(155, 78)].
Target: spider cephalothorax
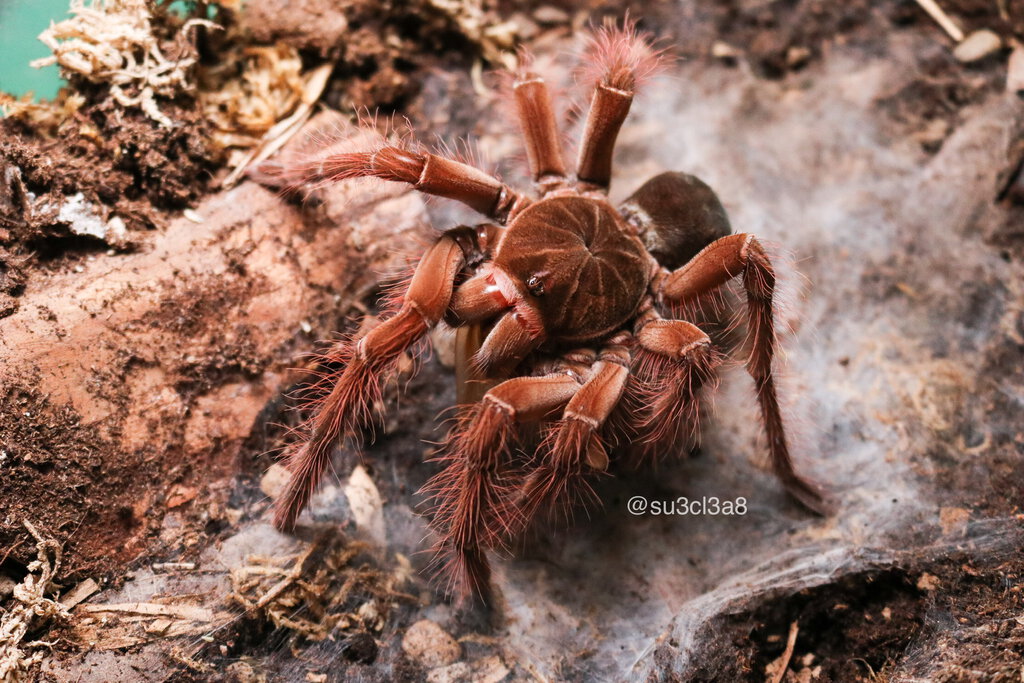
[(575, 306)]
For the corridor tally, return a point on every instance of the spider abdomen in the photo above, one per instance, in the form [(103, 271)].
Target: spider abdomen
[(582, 269), (676, 215)]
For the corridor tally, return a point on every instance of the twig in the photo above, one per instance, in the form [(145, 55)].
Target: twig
[(942, 19), (153, 609), (780, 673), (173, 566)]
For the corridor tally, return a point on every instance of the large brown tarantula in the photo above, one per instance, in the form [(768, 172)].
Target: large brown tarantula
[(579, 302)]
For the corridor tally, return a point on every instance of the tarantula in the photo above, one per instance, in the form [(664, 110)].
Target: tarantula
[(574, 303)]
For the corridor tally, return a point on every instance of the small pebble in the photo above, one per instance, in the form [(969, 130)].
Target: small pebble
[(977, 46), (489, 670), (242, 672), (274, 479), (453, 673), (797, 56), (430, 645), (721, 50), (486, 670)]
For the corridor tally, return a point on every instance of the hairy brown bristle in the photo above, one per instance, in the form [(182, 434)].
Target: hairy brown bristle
[(620, 57)]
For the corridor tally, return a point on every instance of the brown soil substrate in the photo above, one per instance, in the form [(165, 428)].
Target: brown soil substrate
[(132, 380), (862, 627)]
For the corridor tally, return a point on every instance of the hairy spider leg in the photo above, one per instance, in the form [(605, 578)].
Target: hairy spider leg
[(472, 494), (540, 131), (672, 361), (573, 447), (621, 58), (348, 407), (716, 264), (429, 173)]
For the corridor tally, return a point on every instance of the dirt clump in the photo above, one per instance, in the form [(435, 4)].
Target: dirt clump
[(378, 48)]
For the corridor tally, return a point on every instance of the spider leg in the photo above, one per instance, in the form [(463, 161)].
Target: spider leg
[(573, 447), (347, 409), (471, 493), (540, 131), (621, 58), (672, 361), (716, 264), (430, 173)]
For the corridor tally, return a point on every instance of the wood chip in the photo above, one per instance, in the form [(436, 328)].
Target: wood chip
[(174, 566), (79, 593), (190, 612), (366, 505)]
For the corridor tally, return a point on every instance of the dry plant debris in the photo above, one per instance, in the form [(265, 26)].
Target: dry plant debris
[(241, 107), (115, 626), (288, 110), (320, 593), (112, 42), (31, 610), (43, 117), (495, 39)]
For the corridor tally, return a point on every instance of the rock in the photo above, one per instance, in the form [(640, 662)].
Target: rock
[(7, 585), (179, 495), (442, 341), (954, 520), (429, 645), (243, 672), (526, 28), (453, 673), (933, 133), (274, 479), (797, 56), (210, 306), (722, 50), (977, 46), (487, 670), (84, 218)]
